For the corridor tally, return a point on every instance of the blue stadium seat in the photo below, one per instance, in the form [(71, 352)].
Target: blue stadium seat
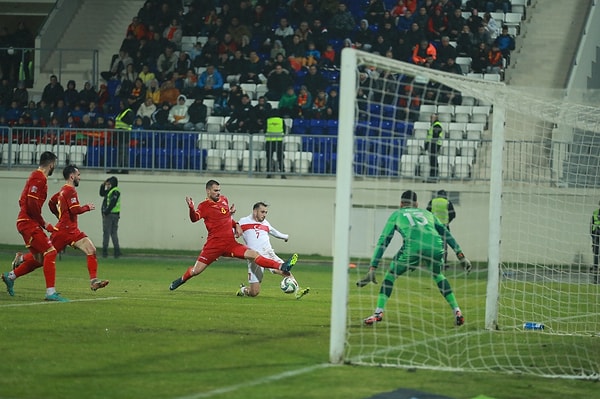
[(108, 156), (395, 147), (357, 8), (300, 75), (361, 146), (382, 146), (146, 157), (308, 144), (390, 165), (142, 138), (256, 42), (375, 109), (372, 165), (93, 156), (390, 4), (178, 159), (361, 128), (300, 126), (332, 76), (404, 128), (196, 159), (187, 141), (169, 141), (158, 139), (111, 87), (332, 163), (325, 145), (359, 161), (389, 111), (318, 126), (387, 128), (319, 163), (332, 127), (133, 156), (374, 128), (162, 158), (337, 44), (374, 120)]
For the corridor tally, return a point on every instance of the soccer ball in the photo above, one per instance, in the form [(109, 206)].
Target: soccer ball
[(289, 285)]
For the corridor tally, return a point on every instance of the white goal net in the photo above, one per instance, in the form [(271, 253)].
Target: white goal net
[(522, 169)]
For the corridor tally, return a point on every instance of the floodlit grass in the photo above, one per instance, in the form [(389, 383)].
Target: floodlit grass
[(136, 339)]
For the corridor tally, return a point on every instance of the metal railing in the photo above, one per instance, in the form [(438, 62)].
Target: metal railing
[(244, 154)]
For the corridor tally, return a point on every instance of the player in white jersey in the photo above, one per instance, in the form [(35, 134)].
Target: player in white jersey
[(256, 232)]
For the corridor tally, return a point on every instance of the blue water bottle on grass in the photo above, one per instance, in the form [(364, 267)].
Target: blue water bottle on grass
[(530, 325)]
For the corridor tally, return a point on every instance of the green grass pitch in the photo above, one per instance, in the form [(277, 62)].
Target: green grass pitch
[(136, 339)]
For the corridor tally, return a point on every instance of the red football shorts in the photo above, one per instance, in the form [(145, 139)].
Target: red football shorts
[(214, 249), (34, 237), (64, 238)]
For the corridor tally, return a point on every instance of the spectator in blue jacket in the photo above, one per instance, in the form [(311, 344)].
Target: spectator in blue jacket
[(210, 83), (506, 43)]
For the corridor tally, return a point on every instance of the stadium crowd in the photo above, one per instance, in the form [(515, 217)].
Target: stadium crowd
[(291, 48)]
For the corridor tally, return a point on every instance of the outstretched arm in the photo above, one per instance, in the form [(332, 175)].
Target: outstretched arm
[(194, 213), (79, 209), (278, 234)]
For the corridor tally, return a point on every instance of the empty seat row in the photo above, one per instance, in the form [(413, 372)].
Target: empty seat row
[(452, 130), (29, 154), (245, 160), (455, 113), (450, 148), (459, 167)]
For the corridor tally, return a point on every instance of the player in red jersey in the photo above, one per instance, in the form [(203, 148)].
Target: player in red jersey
[(65, 205), (31, 225), (222, 234)]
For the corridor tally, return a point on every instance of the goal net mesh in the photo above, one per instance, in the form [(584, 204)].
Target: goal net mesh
[(547, 177)]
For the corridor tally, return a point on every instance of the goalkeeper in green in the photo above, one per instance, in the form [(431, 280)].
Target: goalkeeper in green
[(422, 234)]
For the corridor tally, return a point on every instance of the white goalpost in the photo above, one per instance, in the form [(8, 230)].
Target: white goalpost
[(522, 168)]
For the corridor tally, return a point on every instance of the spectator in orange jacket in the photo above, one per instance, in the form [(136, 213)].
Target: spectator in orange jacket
[(494, 60), (422, 51)]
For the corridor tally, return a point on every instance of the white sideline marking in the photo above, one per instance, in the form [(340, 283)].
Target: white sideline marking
[(14, 305), (260, 381)]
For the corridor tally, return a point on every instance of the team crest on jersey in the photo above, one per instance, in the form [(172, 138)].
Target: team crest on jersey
[(260, 227), (224, 207), (34, 189), (73, 200)]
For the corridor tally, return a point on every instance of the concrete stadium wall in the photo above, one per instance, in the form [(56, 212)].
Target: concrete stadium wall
[(154, 213), (585, 62)]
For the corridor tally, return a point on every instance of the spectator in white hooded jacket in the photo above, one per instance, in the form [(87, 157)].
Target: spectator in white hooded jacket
[(178, 115)]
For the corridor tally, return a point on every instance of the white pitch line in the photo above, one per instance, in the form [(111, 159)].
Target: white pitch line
[(12, 305), (259, 381)]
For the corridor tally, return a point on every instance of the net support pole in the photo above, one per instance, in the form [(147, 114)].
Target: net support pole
[(495, 219), (343, 193)]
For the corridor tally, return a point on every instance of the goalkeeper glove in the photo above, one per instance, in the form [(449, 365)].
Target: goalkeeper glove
[(466, 263), (369, 278)]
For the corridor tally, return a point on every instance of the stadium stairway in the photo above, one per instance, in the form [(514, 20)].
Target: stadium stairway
[(97, 25), (547, 43)]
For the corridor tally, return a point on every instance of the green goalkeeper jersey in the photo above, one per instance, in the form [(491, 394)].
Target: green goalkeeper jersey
[(421, 233)]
